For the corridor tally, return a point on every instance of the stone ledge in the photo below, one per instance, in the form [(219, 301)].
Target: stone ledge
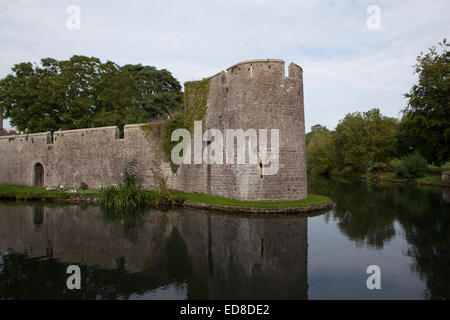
[(243, 209)]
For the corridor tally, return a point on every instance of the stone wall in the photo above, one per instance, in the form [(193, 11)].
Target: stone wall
[(250, 95), (256, 95), (94, 156)]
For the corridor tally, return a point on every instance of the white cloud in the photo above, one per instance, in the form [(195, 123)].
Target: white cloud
[(347, 67)]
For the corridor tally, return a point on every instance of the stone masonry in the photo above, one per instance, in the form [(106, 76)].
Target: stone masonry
[(253, 94)]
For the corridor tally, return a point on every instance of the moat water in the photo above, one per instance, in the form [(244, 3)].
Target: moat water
[(191, 254)]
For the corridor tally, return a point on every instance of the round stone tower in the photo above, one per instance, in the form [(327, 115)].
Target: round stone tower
[(257, 94)]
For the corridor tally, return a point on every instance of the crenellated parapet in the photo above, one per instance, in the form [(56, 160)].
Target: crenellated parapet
[(254, 95)]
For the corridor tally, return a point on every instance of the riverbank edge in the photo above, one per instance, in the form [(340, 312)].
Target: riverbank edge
[(384, 179), (91, 198), (242, 209)]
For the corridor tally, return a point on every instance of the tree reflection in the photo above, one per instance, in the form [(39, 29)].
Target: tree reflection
[(367, 214)]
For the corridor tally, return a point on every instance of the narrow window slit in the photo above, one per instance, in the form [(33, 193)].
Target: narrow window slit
[(262, 248), (260, 168)]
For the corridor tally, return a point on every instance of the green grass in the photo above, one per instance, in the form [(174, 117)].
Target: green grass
[(209, 199), (24, 192), (152, 197), (444, 166), (430, 179), (427, 179)]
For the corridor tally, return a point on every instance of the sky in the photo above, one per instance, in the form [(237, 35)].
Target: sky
[(356, 55)]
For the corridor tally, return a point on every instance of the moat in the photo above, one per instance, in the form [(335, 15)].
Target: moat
[(194, 254)]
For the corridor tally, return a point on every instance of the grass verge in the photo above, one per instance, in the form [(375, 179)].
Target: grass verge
[(25, 192), (312, 199), (153, 197)]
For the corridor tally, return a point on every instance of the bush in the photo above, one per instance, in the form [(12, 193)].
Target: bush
[(375, 171), (122, 197), (165, 196), (130, 174), (378, 167), (127, 195), (83, 186), (411, 166)]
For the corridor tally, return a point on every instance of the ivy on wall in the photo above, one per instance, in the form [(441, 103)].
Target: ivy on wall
[(195, 105)]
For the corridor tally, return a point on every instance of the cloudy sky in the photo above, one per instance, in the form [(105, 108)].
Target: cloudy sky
[(347, 65)]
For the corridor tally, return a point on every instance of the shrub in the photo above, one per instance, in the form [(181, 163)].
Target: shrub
[(127, 195), (411, 166), (375, 171), (165, 196), (378, 167), (122, 197), (83, 186), (130, 174)]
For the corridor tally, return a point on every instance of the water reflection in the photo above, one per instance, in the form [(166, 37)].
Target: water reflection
[(176, 254), (367, 216), (190, 254)]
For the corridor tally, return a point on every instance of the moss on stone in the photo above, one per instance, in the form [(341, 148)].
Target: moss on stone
[(195, 105)]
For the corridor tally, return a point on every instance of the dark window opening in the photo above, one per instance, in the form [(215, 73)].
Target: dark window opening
[(260, 168), (262, 248)]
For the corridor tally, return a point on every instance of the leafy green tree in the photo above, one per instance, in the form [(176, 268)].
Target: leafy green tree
[(425, 126), (83, 92), (158, 92), (320, 150), (314, 129), (362, 139)]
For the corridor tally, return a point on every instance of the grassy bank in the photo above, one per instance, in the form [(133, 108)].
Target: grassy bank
[(17, 192), (432, 180), (209, 199), (152, 197), (428, 180)]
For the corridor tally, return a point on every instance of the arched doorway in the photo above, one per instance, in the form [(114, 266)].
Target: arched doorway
[(38, 175)]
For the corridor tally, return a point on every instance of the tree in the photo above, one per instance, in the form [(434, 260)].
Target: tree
[(362, 139), (320, 150), (314, 129), (425, 126), (159, 93), (83, 92)]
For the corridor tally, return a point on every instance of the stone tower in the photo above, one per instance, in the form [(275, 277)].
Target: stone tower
[(256, 94)]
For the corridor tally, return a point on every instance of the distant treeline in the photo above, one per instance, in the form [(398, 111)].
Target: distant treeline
[(362, 140)]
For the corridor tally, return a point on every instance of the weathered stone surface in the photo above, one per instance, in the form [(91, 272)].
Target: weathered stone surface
[(94, 156), (249, 95)]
